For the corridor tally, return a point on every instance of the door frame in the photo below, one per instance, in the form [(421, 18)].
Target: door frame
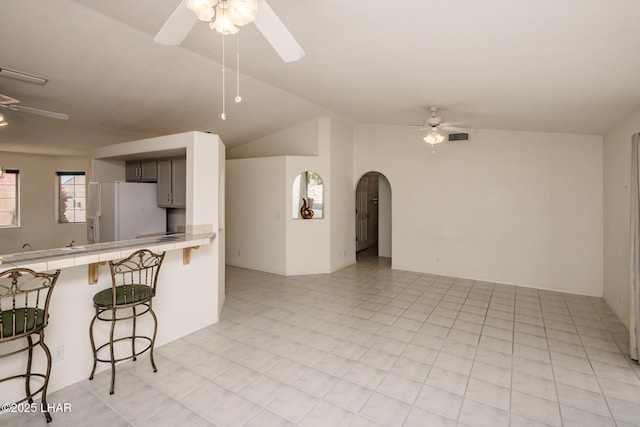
[(384, 228)]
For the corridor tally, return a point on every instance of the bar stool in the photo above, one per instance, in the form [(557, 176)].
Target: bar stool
[(24, 312), (133, 286)]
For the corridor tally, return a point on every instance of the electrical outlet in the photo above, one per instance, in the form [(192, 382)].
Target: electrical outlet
[(58, 353)]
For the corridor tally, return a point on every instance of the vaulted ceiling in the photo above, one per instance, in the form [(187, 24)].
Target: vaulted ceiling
[(570, 66)]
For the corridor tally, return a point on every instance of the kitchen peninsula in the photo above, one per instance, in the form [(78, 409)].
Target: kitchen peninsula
[(191, 280), (100, 253)]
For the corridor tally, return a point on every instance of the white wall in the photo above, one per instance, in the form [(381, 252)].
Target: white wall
[(523, 208), (617, 178), (222, 221), (204, 159), (299, 140), (38, 220), (342, 201), (308, 240), (261, 234), (105, 170), (309, 246), (256, 215)]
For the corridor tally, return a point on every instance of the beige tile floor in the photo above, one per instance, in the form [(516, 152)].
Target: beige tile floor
[(371, 346)]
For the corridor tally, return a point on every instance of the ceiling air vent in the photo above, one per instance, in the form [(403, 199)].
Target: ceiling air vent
[(458, 137)]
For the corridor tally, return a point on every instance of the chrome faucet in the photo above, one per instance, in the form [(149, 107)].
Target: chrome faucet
[(27, 245), (70, 245)]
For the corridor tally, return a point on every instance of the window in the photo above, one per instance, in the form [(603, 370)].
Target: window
[(71, 197), (308, 195), (9, 206)]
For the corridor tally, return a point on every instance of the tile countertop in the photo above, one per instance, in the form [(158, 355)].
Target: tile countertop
[(52, 259)]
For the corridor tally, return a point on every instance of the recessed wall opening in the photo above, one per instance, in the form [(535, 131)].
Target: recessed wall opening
[(373, 219), (308, 190)]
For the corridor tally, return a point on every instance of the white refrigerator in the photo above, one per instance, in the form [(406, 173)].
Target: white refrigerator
[(123, 210)]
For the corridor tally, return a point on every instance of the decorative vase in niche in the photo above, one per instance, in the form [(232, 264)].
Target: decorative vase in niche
[(305, 211)]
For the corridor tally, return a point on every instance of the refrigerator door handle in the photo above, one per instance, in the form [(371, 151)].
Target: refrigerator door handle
[(96, 228)]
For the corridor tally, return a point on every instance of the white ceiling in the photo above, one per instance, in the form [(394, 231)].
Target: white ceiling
[(563, 66)]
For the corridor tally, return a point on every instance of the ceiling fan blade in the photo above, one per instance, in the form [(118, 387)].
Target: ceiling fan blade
[(179, 24), (453, 129), (277, 34), (39, 112), (7, 100), (10, 116)]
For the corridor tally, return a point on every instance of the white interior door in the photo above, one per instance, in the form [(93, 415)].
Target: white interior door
[(362, 214), (372, 210)]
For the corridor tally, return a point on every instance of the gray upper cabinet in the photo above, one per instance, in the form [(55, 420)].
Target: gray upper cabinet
[(172, 183), (164, 183), (179, 182), (142, 171)]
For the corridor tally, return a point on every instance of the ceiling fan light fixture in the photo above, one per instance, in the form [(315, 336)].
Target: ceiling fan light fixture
[(205, 10), (242, 12), (223, 23), (434, 137)]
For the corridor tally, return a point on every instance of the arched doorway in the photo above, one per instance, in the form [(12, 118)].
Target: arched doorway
[(373, 218)]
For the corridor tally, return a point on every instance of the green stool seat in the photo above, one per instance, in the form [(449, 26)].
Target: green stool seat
[(34, 317), (125, 294)]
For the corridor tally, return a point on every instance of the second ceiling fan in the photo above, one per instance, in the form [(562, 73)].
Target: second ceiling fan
[(11, 105), (224, 16), (435, 125)]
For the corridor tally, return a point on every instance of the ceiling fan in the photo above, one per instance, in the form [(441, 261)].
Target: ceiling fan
[(11, 104), (182, 20), (435, 125)]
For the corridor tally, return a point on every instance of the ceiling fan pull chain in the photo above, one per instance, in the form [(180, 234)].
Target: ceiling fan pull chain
[(223, 116), (238, 97)]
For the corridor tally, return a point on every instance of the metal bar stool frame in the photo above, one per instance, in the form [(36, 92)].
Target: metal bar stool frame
[(29, 293), (133, 286)]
